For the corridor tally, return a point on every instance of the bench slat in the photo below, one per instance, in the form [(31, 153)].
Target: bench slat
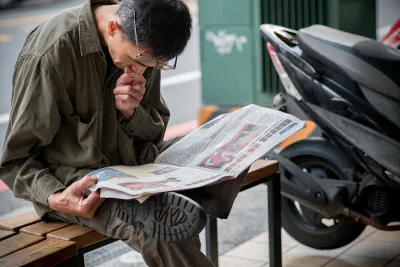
[(18, 242), (260, 169), (4, 234), (17, 222), (82, 236), (42, 228), (43, 254)]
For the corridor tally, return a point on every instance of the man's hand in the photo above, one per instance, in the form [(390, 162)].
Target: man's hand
[(129, 92), (72, 201)]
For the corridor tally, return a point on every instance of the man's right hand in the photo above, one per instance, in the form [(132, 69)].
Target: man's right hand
[(72, 200), (129, 92)]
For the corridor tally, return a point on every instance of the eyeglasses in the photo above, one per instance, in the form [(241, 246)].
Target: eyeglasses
[(148, 60)]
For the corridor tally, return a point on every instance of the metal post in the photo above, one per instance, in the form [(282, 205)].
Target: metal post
[(274, 222), (212, 240)]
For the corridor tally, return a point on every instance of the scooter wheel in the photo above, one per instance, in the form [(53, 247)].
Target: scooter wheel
[(311, 228)]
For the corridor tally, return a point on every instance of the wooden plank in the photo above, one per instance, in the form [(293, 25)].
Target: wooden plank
[(4, 234), (261, 169), (49, 252), (17, 222), (17, 242), (82, 236), (42, 228)]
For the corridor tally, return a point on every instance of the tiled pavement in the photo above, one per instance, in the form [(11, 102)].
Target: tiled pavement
[(372, 249)]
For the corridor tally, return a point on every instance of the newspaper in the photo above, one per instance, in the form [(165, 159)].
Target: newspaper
[(219, 150)]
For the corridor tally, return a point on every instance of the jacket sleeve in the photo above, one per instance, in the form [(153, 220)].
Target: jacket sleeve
[(34, 120), (146, 129)]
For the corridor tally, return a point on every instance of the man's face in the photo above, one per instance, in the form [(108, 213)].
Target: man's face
[(124, 53)]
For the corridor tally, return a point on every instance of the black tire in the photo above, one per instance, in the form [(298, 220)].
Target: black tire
[(307, 226), (7, 3)]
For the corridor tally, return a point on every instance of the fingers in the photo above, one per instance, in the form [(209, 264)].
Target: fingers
[(126, 102), (128, 97), (136, 77), (129, 76), (124, 79), (130, 90), (85, 183), (125, 98), (72, 200), (134, 98), (91, 204), (91, 199)]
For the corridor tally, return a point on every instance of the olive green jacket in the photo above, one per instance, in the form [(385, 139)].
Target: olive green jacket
[(63, 122)]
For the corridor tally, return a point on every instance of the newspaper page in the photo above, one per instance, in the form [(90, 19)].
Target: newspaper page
[(232, 142), (138, 181), (219, 150)]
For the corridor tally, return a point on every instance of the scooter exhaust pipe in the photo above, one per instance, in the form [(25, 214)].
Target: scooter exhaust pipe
[(367, 221)]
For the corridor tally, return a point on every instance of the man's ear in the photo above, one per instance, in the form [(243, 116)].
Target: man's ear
[(113, 27)]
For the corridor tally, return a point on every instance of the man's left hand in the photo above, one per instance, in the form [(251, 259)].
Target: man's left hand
[(129, 93)]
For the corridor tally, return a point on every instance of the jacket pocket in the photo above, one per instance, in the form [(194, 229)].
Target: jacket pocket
[(75, 144), (85, 131)]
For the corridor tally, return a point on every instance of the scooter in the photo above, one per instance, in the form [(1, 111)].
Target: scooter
[(335, 185)]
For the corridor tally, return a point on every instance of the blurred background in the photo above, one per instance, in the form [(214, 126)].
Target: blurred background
[(183, 92)]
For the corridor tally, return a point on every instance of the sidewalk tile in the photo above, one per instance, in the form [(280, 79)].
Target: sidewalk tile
[(363, 252), (305, 258), (287, 240), (381, 249), (228, 261), (369, 230), (332, 253), (393, 237), (356, 261), (253, 251)]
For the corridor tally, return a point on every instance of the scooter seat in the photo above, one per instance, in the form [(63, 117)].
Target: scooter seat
[(363, 60)]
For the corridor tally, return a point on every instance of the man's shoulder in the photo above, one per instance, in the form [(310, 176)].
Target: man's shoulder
[(56, 36)]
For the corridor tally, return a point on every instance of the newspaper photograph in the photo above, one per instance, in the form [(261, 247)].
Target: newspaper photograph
[(219, 150)]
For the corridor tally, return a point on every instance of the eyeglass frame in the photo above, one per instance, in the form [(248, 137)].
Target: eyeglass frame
[(140, 54)]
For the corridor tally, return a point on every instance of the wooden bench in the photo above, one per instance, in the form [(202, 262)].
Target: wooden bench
[(26, 241)]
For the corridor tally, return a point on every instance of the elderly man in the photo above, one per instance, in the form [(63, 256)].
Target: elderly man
[(86, 95)]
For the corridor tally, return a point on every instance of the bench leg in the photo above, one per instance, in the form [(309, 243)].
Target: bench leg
[(212, 240), (274, 222), (77, 261)]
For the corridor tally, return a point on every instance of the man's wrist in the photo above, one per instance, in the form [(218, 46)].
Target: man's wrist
[(127, 115), (52, 201)]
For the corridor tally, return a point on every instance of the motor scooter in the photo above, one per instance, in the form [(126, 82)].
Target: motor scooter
[(335, 185)]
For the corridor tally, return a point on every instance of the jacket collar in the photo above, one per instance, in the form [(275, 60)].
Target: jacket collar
[(89, 40)]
